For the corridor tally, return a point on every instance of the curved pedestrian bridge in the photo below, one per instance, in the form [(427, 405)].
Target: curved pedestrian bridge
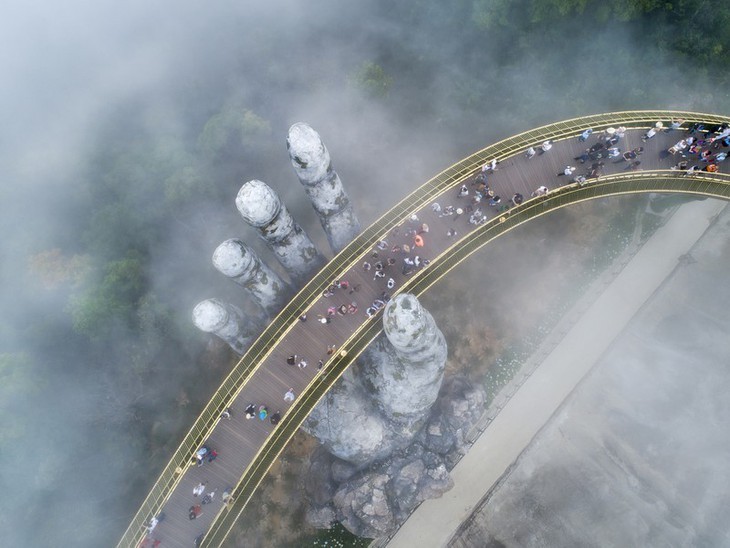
[(247, 448)]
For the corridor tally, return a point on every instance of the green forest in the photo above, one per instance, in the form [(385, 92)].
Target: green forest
[(110, 221)]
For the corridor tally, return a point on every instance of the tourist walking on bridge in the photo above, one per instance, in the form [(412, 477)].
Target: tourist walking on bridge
[(200, 454), (584, 157), (568, 170), (724, 131), (696, 127), (632, 154), (609, 137), (207, 499), (490, 166), (678, 147), (596, 147), (154, 521), (675, 124), (652, 131), (595, 171), (195, 511)]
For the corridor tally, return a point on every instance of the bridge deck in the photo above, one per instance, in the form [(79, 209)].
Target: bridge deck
[(238, 440)]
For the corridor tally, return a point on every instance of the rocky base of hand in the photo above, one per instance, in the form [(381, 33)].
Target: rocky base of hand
[(372, 502)]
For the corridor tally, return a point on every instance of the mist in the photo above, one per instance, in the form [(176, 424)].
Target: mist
[(127, 132)]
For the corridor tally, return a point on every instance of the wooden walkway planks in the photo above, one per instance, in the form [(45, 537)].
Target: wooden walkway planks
[(238, 440)]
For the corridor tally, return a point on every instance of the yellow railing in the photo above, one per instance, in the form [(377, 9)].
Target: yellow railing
[(707, 185)]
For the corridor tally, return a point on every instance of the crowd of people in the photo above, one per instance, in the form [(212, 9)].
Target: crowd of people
[(701, 149), (401, 255), (404, 251)]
